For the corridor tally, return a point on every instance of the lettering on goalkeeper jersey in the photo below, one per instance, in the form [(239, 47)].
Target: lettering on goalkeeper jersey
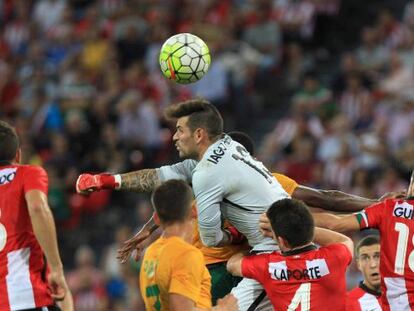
[(219, 151), (315, 269)]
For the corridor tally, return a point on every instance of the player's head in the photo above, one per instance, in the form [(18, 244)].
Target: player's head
[(9, 142), (199, 123), (243, 139), (367, 254), (292, 223), (172, 201)]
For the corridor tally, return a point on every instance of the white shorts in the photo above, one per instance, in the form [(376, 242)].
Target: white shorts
[(247, 291)]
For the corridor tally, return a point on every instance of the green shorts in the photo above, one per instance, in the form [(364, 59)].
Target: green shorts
[(221, 281)]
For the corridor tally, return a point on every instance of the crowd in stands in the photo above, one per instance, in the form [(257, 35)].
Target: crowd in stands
[(80, 81)]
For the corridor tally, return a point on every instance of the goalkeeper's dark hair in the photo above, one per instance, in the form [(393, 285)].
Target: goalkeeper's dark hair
[(292, 220), (172, 201), (201, 113), (9, 142), (367, 241), (243, 139)]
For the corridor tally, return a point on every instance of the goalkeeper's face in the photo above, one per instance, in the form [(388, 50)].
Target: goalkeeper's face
[(185, 141)]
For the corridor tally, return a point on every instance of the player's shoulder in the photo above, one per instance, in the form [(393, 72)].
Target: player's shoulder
[(355, 293), (10, 172), (336, 252), (177, 247), (334, 247), (29, 168)]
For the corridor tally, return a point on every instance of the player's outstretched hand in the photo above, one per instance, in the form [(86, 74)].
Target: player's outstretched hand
[(227, 303), (393, 195), (87, 183), (265, 226), (138, 242)]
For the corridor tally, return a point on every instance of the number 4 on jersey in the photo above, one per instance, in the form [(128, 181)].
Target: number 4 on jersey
[(302, 298)]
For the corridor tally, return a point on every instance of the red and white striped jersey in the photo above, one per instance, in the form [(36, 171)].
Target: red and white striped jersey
[(303, 279), (362, 298), (23, 269), (394, 219)]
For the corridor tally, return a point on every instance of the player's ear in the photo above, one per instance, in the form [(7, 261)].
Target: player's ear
[(193, 212), (18, 156), (156, 219), (198, 134), (281, 241)]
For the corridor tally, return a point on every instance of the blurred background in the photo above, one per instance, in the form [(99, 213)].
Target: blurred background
[(325, 88)]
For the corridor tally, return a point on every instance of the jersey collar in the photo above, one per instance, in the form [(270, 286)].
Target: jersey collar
[(369, 290), (300, 250)]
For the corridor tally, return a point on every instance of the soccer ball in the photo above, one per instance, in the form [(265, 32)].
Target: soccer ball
[(184, 58)]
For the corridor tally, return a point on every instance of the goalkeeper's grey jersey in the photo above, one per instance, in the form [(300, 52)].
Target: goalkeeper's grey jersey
[(228, 182)]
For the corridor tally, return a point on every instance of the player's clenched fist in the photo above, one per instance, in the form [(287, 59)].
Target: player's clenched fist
[(87, 183)]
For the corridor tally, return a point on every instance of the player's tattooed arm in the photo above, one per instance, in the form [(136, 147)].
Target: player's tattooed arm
[(145, 180)]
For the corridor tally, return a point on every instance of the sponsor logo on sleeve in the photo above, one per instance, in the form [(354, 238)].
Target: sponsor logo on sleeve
[(7, 175)]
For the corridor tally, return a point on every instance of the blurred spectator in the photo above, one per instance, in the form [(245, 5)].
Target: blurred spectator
[(349, 66), (87, 282), (399, 80), (297, 64), (356, 101), (390, 181), (296, 18), (264, 35), (338, 135), (371, 54), (339, 170), (312, 95), (131, 47), (301, 163), (48, 13)]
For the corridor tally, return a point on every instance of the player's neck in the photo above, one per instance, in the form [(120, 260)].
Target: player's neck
[(287, 251), (182, 230), (370, 288), (203, 148)]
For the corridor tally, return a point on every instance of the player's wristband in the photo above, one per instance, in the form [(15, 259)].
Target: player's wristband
[(235, 236), (109, 181)]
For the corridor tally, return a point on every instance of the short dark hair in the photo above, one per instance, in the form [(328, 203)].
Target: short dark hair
[(201, 113), (367, 241), (243, 139), (9, 142), (172, 201), (292, 220)]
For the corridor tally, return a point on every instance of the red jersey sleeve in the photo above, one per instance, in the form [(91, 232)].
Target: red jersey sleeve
[(35, 178), (255, 267), (371, 216)]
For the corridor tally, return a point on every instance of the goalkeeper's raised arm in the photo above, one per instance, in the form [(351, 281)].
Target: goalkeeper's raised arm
[(140, 181)]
